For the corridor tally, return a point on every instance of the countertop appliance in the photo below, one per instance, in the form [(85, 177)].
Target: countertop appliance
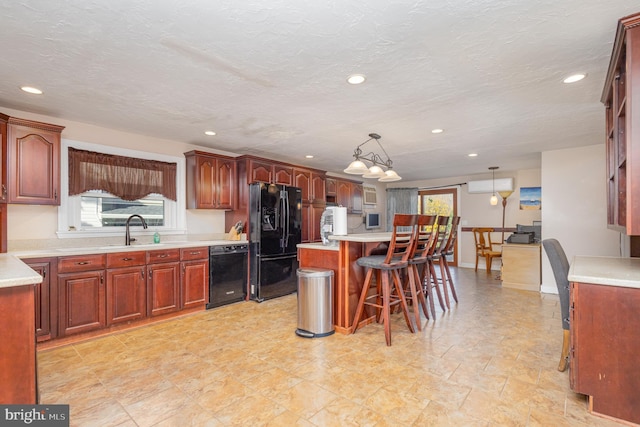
[(227, 274), (275, 230)]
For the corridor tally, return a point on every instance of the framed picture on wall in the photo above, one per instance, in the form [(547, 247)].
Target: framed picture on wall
[(530, 198)]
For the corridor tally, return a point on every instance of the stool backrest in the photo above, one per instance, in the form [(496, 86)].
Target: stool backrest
[(451, 237), (440, 231), (402, 238), (424, 235)]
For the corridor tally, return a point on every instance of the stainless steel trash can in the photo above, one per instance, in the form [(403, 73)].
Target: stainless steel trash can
[(315, 302)]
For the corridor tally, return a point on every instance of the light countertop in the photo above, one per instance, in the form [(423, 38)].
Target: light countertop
[(14, 272), (364, 237), (611, 271), (318, 246), (109, 248)]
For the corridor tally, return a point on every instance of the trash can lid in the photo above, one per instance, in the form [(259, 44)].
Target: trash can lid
[(314, 272)]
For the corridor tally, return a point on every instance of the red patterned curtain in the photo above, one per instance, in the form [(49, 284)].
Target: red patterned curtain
[(125, 177)]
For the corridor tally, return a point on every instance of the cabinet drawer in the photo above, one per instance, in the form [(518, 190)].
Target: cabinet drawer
[(201, 252), (167, 255), (126, 259), (81, 263)]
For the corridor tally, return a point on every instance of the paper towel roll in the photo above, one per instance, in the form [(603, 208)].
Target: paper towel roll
[(340, 221)]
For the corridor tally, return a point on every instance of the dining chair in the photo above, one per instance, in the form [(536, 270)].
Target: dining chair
[(484, 246), (389, 289), (560, 267)]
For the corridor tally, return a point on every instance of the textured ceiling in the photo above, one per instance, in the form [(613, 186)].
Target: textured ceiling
[(270, 76)]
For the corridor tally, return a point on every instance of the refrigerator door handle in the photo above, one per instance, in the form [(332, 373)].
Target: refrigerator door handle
[(287, 220), (291, 256)]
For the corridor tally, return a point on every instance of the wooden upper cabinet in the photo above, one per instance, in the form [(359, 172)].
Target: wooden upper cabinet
[(318, 188), (33, 162), (621, 97), (259, 171), (211, 181), (343, 194), (302, 180), (331, 187), (356, 198), (282, 174)]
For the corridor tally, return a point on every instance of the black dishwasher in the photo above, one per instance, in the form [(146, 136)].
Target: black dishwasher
[(227, 274)]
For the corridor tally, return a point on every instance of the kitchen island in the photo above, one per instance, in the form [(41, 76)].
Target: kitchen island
[(17, 326), (605, 334), (348, 276)]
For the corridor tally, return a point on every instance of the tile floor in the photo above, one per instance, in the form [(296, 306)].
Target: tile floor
[(489, 361)]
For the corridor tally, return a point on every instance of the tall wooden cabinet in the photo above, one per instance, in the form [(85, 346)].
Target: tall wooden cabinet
[(621, 97), (211, 181), (46, 297)]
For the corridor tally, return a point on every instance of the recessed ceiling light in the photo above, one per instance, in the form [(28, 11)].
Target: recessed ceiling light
[(574, 78), (437, 131), (309, 156), (356, 79), (32, 90), (473, 155), (209, 132)]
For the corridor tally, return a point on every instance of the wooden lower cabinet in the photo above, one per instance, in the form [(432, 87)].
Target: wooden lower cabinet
[(126, 295), (45, 298), (82, 302), (18, 373), (605, 343), (163, 288), (194, 277)]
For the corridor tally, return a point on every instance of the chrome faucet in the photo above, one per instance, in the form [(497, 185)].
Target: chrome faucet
[(127, 236)]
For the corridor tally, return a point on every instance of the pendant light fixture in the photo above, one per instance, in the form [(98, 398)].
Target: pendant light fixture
[(359, 167), (494, 198)]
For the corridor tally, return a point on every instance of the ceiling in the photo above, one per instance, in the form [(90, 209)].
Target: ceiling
[(270, 77)]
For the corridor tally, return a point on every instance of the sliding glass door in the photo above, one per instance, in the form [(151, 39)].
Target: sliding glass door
[(440, 202)]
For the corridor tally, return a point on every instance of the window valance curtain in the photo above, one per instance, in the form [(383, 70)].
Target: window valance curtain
[(125, 177)]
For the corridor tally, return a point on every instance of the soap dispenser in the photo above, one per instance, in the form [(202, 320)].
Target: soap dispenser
[(156, 237)]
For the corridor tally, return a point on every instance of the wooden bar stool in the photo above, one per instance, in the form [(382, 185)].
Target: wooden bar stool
[(389, 291), (447, 250), (429, 278), (417, 261)]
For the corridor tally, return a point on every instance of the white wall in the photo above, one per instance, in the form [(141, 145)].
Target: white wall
[(574, 206), (28, 222)]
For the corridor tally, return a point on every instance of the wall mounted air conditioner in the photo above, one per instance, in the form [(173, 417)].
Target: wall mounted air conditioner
[(487, 185)]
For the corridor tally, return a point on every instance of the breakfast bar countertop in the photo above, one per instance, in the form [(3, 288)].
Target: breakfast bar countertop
[(14, 272), (364, 237), (611, 271)]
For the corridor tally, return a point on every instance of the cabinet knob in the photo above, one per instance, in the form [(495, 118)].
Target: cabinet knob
[(127, 259)]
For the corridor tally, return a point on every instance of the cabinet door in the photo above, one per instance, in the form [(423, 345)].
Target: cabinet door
[(282, 175), (82, 303), (206, 182), (3, 160), (163, 293), (225, 184), (259, 172), (194, 283), (42, 300), (33, 165), (318, 188), (302, 180), (331, 187), (343, 197), (126, 294), (316, 213), (356, 198), (306, 223)]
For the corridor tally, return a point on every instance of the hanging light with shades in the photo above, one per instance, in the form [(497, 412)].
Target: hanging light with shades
[(494, 198), (359, 167)]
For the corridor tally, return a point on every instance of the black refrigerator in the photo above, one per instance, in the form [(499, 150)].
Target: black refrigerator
[(275, 229)]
